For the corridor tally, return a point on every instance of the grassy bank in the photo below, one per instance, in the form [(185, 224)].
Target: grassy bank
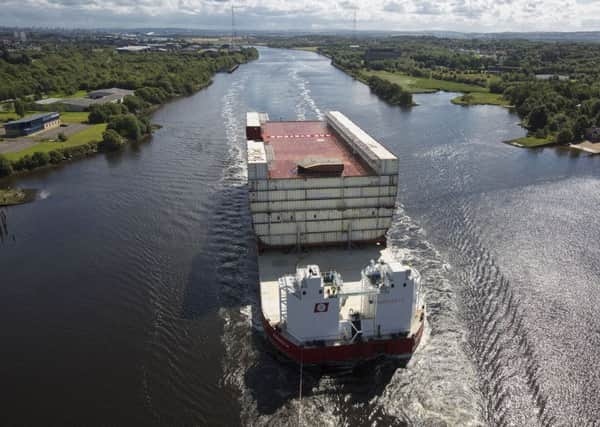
[(307, 48), (91, 134), (422, 84), (532, 141), (156, 78), (481, 98)]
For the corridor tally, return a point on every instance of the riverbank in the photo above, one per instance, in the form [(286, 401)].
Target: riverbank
[(89, 134), (532, 142), (83, 135), (472, 94), (481, 98), (476, 95), (423, 84)]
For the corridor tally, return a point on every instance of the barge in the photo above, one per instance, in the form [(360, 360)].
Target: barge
[(322, 196)]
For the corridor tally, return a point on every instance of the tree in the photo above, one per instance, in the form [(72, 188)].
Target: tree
[(40, 158), (565, 136), (496, 85), (538, 118), (56, 156), (579, 127), (102, 113), (5, 166), (111, 141), (390, 92), (19, 107), (133, 103), (62, 137), (126, 125)]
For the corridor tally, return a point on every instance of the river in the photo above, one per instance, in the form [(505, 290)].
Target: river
[(128, 290)]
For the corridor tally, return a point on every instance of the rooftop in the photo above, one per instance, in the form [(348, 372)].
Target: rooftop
[(48, 101), (288, 144), (107, 92), (133, 48), (33, 117)]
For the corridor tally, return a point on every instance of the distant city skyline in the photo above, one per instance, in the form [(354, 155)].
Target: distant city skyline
[(309, 15)]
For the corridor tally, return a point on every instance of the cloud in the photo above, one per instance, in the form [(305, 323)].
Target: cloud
[(456, 15), (429, 8), (394, 7)]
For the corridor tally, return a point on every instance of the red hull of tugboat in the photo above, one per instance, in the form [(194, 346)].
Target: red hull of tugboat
[(401, 348)]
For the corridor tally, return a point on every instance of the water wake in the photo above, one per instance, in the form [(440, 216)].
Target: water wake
[(506, 360)]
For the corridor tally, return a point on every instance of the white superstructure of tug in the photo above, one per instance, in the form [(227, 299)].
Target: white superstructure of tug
[(320, 306)]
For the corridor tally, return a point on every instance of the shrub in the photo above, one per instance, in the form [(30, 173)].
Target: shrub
[(62, 137), (80, 150), (27, 162), (56, 157), (40, 158), (20, 107), (127, 125), (538, 118), (6, 168), (111, 141), (153, 95), (102, 113), (565, 136), (133, 103)]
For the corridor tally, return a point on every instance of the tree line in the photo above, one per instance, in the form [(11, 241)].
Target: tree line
[(392, 93), (561, 108), (66, 68), (155, 77)]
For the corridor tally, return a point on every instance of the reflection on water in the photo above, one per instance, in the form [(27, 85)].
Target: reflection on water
[(130, 296)]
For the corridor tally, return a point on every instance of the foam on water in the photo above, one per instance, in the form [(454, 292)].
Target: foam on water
[(306, 107), (43, 195)]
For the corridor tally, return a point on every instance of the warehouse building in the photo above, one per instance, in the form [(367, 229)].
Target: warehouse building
[(32, 124), (102, 96)]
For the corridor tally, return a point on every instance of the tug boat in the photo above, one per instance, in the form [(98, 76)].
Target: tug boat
[(322, 196), (317, 318)]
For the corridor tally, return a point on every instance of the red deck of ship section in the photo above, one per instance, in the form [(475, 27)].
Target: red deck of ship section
[(295, 141)]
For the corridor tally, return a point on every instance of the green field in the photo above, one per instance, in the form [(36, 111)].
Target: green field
[(91, 134), (481, 98), (74, 117), (6, 116), (532, 141), (307, 48), (423, 85)]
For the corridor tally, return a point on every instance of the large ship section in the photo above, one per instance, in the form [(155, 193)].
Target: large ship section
[(318, 182), (324, 192)]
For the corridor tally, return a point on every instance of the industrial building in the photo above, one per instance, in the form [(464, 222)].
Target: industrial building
[(101, 96), (593, 134), (133, 49), (32, 124)]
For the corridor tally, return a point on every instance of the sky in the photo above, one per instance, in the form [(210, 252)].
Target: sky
[(309, 15)]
